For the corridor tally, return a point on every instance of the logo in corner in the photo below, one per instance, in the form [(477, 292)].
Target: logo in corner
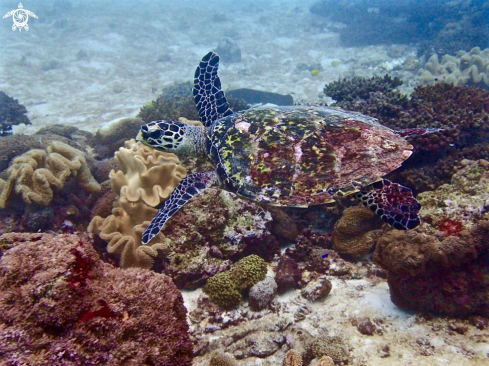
[(20, 17)]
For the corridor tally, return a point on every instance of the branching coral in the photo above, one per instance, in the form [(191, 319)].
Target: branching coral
[(35, 172), (148, 179), (464, 68), (356, 231)]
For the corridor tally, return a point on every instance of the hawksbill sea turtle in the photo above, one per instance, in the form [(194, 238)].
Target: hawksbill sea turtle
[(293, 156)]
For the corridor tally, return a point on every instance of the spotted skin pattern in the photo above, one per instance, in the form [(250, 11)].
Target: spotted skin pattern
[(394, 203), (285, 156), (184, 191), (209, 98)]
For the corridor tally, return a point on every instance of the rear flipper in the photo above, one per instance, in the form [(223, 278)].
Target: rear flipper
[(183, 192), (394, 203)]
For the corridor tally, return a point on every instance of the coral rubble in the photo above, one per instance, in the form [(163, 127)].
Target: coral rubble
[(61, 305)]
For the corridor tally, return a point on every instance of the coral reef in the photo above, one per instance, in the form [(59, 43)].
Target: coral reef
[(332, 346), (11, 114), (442, 266), (221, 359), (356, 231), (225, 288), (33, 173), (463, 124), (287, 274), (464, 68), (177, 101), (61, 305), (12, 146), (292, 358), (317, 289), (110, 138)]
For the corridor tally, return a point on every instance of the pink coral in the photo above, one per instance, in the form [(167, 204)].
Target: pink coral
[(61, 305)]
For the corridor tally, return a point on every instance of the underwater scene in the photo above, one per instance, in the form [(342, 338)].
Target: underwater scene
[(222, 183)]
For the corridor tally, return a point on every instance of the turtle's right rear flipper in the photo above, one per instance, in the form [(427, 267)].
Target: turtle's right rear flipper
[(394, 203), (183, 192)]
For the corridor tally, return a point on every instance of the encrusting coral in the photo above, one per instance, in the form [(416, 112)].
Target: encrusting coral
[(61, 305), (443, 266), (148, 179), (356, 231), (465, 68), (33, 173), (225, 288)]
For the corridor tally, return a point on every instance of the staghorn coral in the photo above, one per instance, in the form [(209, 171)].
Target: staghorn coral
[(225, 288), (148, 179), (73, 309), (33, 173), (465, 68), (442, 266), (11, 114), (356, 231), (332, 346)]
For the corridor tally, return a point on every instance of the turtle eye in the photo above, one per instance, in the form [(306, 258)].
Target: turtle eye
[(144, 128)]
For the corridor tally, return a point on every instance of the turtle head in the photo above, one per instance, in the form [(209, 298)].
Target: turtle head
[(175, 137)]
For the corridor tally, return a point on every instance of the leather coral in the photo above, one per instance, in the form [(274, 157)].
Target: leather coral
[(35, 172), (146, 180)]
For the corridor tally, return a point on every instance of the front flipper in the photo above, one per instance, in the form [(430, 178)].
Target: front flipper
[(183, 192), (394, 203), (209, 98)]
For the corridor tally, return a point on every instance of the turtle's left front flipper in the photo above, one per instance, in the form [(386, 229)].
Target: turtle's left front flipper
[(394, 203), (183, 192)]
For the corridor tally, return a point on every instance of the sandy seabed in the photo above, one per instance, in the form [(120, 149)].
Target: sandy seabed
[(101, 61)]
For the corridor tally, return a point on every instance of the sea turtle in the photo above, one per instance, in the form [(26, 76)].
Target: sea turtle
[(286, 156)]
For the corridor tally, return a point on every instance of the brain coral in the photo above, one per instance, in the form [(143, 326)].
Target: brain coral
[(34, 172), (61, 305), (356, 231), (148, 179), (225, 288), (442, 266), (465, 68)]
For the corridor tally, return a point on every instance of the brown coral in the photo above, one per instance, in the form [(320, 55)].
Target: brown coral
[(292, 358), (34, 172), (221, 359), (356, 231)]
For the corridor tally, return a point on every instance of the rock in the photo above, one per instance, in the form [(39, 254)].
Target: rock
[(288, 274), (262, 293), (253, 96), (317, 289), (259, 344), (228, 50), (365, 326)]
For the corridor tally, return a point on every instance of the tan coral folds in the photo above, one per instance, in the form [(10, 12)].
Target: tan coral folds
[(147, 179), (33, 173)]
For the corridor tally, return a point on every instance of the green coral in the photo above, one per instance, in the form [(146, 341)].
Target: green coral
[(225, 288)]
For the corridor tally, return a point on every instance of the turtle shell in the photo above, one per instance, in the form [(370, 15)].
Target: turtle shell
[(298, 156)]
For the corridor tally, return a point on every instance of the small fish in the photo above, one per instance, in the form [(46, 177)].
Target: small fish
[(324, 255)]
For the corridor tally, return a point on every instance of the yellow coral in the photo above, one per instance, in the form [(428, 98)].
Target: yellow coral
[(34, 172), (148, 179)]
